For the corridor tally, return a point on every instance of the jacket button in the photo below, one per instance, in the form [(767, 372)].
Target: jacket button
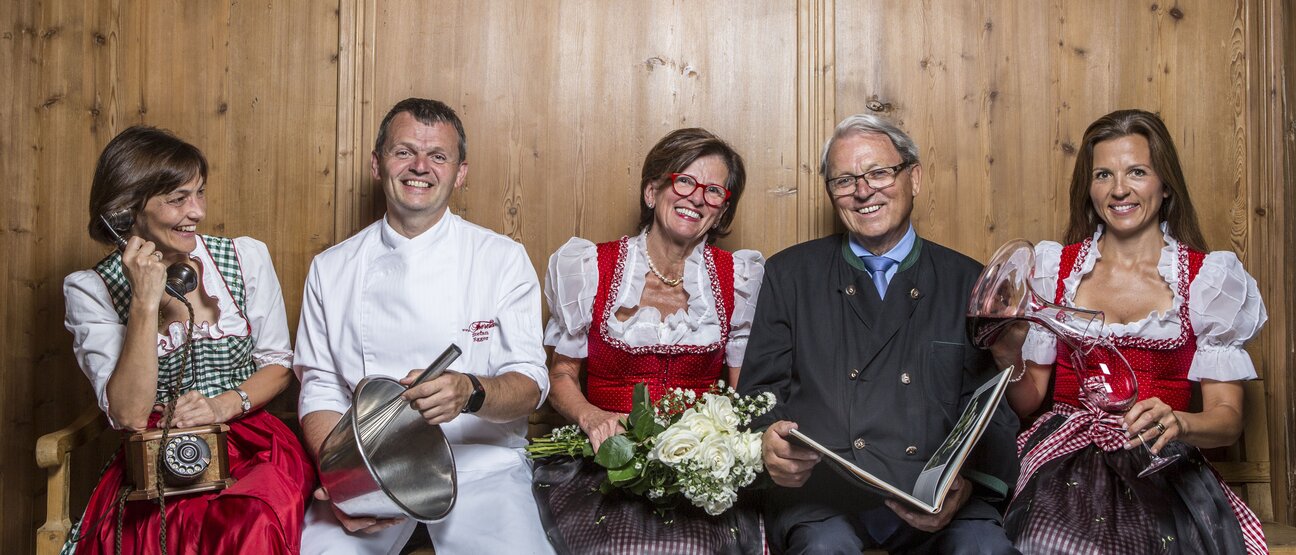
[(854, 373), (904, 378), (911, 450), (859, 443), (914, 294), (850, 290)]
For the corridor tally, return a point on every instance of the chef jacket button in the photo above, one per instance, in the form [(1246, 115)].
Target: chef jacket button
[(914, 294), (854, 373), (905, 379), (850, 290), (911, 450), (859, 443)]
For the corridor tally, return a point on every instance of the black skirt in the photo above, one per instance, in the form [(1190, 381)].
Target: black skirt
[(580, 520), (1091, 501)]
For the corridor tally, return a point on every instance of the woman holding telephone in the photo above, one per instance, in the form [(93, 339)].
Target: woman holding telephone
[(172, 316)]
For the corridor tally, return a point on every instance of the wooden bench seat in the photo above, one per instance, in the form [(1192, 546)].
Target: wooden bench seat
[(1250, 476)]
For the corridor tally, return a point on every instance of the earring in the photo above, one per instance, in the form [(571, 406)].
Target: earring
[(650, 205)]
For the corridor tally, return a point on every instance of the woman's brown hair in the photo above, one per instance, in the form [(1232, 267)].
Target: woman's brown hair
[(1176, 210), (138, 164), (676, 151)]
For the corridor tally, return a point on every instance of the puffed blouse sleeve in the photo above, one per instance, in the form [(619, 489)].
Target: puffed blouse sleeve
[(1226, 311), (1040, 346), (749, 272), (570, 284), (97, 330), (265, 305)]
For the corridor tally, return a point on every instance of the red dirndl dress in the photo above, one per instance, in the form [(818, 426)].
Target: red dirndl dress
[(577, 518), (1079, 490)]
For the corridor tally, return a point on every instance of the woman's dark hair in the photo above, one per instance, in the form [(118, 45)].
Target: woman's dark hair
[(1176, 210), (138, 164), (676, 151)]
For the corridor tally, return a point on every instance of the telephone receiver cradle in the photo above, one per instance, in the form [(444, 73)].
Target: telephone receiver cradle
[(180, 277)]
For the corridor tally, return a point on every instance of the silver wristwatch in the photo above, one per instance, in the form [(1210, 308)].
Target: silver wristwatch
[(247, 403)]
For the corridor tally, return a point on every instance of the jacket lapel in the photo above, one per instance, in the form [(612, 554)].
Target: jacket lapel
[(885, 317)]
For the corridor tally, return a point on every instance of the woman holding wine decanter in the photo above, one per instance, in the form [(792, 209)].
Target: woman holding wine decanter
[(1162, 312)]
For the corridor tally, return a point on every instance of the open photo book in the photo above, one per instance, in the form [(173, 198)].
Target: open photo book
[(936, 477)]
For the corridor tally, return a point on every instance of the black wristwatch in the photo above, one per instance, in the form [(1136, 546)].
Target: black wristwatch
[(478, 397)]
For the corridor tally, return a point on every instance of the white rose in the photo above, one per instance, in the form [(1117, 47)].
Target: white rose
[(715, 455), (699, 423), (719, 502), (676, 444), (748, 448), (720, 410)]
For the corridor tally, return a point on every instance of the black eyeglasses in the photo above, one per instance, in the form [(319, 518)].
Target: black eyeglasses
[(684, 185), (876, 178)]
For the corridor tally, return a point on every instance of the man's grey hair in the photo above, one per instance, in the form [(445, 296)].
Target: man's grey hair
[(862, 124)]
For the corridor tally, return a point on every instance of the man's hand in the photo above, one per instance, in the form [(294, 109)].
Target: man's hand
[(958, 495), (788, 465), (365, 525), (438, 400)]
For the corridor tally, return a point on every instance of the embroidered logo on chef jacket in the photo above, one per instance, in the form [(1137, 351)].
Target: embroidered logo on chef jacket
[(480, 330)]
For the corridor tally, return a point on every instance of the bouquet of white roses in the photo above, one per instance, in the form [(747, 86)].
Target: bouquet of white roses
[(682, 444)]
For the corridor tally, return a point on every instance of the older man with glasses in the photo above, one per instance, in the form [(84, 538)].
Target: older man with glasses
[(861, 337)]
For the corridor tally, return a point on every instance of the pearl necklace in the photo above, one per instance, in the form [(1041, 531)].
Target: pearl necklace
[(668, 281)]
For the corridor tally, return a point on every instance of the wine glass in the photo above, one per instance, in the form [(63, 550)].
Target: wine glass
[(1108, 382)]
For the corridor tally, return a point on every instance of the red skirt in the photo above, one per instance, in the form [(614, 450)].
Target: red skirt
[(261, 513)]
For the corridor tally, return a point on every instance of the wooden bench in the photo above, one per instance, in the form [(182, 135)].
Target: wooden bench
[(1248, 471)]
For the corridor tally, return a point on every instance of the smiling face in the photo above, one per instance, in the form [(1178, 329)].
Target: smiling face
[(1125, 191), (686, 220), (419, 167), (170, 220), (876, 219)]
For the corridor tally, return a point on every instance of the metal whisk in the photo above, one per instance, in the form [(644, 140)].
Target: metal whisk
[(373, 422)]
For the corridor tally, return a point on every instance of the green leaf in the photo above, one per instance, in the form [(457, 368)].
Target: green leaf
[(622, 476), (642, 426), (615, 452), (641, 397)]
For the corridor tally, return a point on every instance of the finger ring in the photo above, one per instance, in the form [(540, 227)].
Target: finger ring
[(1161, 429), (158, 255)]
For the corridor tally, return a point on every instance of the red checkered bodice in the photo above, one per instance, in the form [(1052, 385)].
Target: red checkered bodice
[(614, 367), (1160, 365)]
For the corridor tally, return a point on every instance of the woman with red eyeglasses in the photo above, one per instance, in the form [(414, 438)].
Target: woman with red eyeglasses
[(665, 308)]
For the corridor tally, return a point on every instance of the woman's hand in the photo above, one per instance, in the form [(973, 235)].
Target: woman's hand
[(1152, 419), (193, 409), (600, 425), (142, 263)]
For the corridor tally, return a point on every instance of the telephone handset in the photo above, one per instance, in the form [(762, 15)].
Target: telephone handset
[(180, 277)]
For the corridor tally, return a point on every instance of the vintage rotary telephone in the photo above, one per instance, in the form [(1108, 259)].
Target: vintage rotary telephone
[(162, 462)]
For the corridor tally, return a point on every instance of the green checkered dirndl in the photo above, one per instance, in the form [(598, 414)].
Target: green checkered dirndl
[(218, 364)]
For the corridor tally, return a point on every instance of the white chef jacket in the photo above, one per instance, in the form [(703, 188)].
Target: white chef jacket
[(381, 304)]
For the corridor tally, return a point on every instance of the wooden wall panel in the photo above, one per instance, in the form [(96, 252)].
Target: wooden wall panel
[(253, 84), (562, 100)]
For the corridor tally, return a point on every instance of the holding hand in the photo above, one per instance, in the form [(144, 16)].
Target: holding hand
[(438, 400), (958, 495), (788, 465), (365, 525), (142, 264), (599, 425), (1152, 419)]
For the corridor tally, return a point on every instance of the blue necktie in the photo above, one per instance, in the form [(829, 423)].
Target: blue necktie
[(878, 266)]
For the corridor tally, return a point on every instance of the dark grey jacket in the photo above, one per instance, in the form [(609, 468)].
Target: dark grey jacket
[(879, 382)]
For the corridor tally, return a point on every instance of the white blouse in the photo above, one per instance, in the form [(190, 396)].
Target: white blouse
[(572, 281), (1225, 309), (98, 332)]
